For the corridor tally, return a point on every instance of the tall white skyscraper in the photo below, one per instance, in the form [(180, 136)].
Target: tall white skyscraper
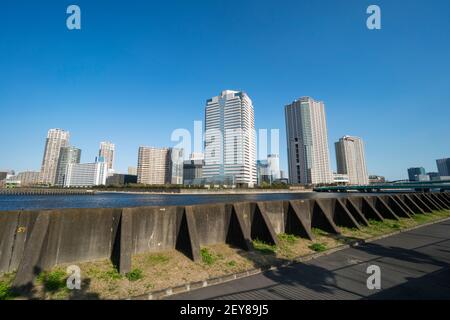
[(107, 153), (56, 139), (351, 160), (230, 139), (307, 142)]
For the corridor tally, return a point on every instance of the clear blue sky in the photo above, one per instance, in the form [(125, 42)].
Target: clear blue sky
[(140, 69)]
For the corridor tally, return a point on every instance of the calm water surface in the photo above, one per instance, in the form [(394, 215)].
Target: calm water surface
[(121, 200)]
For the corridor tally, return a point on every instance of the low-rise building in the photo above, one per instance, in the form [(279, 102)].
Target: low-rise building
[(341, 178), (375, 179), (86, 174), (28, 178), (121, 179)]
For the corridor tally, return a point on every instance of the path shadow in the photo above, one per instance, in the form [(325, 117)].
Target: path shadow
[(398, 253), (433, 286)]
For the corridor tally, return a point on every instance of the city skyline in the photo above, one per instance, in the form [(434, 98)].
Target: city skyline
[(123, 74), (106, 152)]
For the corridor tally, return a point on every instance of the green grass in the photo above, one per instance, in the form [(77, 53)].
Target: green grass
[(111, 275), (6, 280), (5, 291), (319, 232), (158, 259), (318, 247), (396, 226), (53, 281), (207, 257), (263, 247), (135, 275), (231, 263), (288, 238)]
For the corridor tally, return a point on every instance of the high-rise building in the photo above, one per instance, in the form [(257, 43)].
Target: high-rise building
[(160, 166), (132, 171), (263, 172), (176, 159), (66, 155), (56, 139), (107, 153), (86, 174), (443, 166), (273, 161), (307, 142), (414, 173), (230, 139), (193, 171), (351, 160)]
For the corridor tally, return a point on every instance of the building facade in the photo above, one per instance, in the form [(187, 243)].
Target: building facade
[(66, 155), (86, 174), (307, 142), (106, 152), (414, 173), (132, 171), (56, 139), (263, 171), (443, 166), (341, 178), (193, 171), (375, 179), (230, 139), (273, 161), (28, 178), (176, 159), (351, 160), (117, 179), (158, 166)]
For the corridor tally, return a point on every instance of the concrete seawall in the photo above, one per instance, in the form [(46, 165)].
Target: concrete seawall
[(44, 191), (32, 241)]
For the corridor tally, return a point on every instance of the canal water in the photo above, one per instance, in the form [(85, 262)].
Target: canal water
[(123, 200)]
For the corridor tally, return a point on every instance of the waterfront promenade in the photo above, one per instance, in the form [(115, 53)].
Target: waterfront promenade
[(414, 265)]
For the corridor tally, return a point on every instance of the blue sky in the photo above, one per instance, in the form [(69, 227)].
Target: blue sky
[(140, 69)]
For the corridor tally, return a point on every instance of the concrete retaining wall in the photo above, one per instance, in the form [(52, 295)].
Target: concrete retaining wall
[(31, 241)]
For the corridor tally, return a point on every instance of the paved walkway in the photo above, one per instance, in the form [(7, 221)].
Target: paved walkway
[(414, 265)]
